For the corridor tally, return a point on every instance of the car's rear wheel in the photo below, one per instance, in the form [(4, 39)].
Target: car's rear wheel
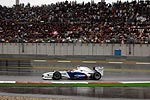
[(97, 76), (56, 75)]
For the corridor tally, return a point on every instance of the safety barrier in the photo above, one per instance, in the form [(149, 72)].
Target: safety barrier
[(75, 49)]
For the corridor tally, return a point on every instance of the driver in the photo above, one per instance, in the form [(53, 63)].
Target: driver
[(77, 69)]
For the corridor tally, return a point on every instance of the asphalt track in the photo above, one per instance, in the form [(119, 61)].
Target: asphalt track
[(64, 97), (105, 78), (113, 71), (111, 74)]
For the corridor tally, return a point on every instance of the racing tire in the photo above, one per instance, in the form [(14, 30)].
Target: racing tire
[(97, 76), (56, 75)]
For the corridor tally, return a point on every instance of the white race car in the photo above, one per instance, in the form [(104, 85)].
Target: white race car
[(80, 72)]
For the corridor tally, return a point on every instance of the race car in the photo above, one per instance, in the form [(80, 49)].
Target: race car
[(81, 72)]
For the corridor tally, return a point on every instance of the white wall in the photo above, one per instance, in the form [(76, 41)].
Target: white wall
[(74, 49)]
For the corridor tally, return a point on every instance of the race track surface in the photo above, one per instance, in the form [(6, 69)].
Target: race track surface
[(115, 73), (112, 73), (108, 76), (63, 97)]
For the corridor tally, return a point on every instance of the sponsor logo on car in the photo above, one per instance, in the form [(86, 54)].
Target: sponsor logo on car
[(79, 75)]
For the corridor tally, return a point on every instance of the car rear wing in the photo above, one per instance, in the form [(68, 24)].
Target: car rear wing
[(99, 69)]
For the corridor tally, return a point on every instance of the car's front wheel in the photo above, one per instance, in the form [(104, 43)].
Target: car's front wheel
[(56, 75), (97, 76)]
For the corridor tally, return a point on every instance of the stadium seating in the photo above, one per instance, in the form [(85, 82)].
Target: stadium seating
[(72, 22)]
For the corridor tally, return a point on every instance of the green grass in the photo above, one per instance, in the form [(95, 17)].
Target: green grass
[(76, 85)]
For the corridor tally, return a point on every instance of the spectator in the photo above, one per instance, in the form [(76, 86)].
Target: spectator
[(71, 22)]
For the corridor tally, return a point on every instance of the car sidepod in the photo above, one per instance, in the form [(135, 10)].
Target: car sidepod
[(77, 75)]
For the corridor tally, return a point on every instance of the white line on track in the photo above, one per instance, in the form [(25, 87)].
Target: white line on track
[(75, 82), (115, 62), (135, 82), (89, 61), (40, 60), (68, 82), (142, 63), (7, 81), (63, 61)]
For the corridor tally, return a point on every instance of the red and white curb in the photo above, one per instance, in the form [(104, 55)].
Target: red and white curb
[(70, 82), (86, 61)]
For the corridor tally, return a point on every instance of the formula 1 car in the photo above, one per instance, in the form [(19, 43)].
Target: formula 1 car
[(80, 72)]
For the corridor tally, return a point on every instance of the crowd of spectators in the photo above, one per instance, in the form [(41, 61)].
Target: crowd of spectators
[(72, 22)]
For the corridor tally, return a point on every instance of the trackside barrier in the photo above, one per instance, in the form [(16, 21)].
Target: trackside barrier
[(54, 49)]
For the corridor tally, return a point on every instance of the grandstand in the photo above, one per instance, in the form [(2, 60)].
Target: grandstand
[(72, 22)]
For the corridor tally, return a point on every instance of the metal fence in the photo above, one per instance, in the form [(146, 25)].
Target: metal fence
[(75, 49)]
